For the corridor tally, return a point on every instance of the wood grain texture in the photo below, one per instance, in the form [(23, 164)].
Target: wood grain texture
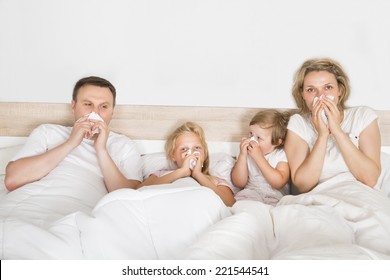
[(148, 122)]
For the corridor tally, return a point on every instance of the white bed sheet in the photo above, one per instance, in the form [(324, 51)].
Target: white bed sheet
[(186, 221)]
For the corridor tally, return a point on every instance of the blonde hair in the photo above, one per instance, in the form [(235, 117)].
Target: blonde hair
[(277, 120), (188, 127), (321, 64)]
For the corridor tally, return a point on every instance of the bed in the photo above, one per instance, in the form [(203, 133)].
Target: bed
[(182, 220)]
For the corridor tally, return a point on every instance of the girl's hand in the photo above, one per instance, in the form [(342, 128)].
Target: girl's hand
[(185, 168), (244, 146), (254, 150), (197, 169)]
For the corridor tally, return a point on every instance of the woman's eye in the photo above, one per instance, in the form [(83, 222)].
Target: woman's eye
[(309, 90), (198, 148)]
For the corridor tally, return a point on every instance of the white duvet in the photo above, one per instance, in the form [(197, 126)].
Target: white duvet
[(339, 219)]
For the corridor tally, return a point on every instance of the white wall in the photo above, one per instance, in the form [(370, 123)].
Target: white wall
[(200, 52)]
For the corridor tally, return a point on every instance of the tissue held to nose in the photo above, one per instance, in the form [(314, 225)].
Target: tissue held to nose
[(323, 114), (96, 117), (193, 160), (253, 138)]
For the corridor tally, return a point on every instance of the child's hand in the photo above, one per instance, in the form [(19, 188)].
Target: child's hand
[(244, 146), (254, 150), (186, 166), (197, 168)]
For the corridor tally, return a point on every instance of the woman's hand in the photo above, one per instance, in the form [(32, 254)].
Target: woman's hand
[(334, 116), (317, 120)]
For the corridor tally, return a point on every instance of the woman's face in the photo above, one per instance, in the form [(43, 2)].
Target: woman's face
[(187, 144), (317, 84)]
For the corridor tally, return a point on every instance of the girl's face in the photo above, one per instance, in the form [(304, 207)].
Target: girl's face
[(317, 83), (263, 136), (187, 144)]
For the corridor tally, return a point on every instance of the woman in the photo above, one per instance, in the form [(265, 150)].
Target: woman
[(326, 138)]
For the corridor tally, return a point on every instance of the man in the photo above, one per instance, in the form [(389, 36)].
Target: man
[(50, 147)]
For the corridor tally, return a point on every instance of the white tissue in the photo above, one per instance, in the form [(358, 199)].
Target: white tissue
[(253, 138), (323, 114), (193, 160), (96, 117)]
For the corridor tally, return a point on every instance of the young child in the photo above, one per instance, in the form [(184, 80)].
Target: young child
[(186, 149), (261, 169)]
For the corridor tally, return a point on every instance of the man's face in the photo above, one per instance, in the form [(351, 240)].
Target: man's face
[(94, 99)]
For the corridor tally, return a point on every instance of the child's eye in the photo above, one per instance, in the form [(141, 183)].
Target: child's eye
[(184, 149), (198, 148), (328, 87)]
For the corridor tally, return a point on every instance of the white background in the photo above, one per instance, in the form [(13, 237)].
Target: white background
[(240, 53)]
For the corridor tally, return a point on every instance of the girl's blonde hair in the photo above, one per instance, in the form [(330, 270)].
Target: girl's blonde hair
[(277, 121), (188, 127), (322, 64)]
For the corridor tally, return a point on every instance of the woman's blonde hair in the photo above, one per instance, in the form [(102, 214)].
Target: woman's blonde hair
[(277, 120), (188, 127), (321, 64)]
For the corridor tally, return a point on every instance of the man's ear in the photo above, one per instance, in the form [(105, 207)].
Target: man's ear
[(73, 104)]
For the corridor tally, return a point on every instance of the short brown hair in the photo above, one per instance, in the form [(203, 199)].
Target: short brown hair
[(94, 81)]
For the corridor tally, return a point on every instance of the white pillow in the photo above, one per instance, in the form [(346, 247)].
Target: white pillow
[(221, 164), (6, 154)]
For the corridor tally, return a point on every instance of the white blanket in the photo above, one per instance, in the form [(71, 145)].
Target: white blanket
[(339, 219), (156, 222), (50, 219)]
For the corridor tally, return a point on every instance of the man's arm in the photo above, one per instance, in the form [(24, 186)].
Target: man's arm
[(33, 168), (113, 177)]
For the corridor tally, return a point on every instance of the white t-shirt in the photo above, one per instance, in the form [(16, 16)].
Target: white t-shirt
[(355, 120), (258, 186), (122, 150)]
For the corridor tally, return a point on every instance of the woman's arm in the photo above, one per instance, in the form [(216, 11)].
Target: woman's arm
[(363, 162), (305, 166)]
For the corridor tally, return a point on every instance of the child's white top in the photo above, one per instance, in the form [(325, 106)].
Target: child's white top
[(256, 178)]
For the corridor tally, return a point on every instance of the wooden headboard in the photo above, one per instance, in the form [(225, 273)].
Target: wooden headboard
[(147, 122)]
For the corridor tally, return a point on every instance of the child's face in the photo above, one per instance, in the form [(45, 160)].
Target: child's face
[(187, 144), (263, 136)]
